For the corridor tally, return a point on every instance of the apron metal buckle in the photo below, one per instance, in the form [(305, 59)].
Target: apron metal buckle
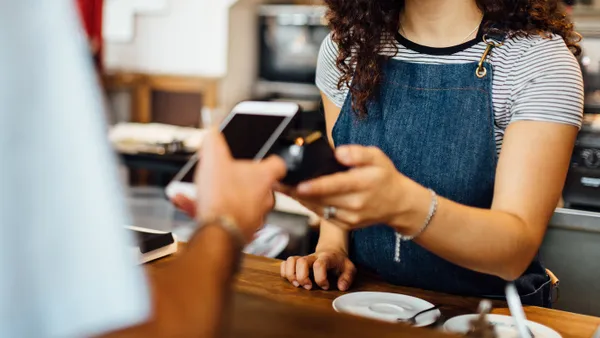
[(481, 71)]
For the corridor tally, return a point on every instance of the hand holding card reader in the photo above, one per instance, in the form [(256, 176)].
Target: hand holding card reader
[(307, 155)]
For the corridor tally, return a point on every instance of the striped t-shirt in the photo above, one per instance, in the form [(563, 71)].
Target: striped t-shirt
[(534, 78)]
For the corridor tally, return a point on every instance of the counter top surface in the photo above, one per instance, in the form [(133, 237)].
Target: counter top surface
[(265, 305), (573, 219)]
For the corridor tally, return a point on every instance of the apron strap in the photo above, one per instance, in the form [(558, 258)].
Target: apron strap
[(492, 41)]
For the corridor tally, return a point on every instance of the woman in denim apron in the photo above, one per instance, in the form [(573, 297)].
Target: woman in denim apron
[(428, 202)]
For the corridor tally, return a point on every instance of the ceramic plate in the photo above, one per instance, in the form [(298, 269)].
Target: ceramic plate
[(386, 306), (504, 325)]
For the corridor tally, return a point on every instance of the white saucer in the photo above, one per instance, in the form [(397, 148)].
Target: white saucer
[(386, 307), (504, 325)]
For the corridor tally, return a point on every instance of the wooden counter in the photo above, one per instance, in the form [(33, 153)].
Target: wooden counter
[(265, 305)]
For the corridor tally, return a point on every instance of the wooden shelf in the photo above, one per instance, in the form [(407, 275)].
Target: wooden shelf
[(142, 86)]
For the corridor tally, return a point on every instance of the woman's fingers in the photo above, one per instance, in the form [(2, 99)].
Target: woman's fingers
[(357, 156), (346, 277), (297, 270), (290, 270), (320, 268), (303, 266), (318, 207), (356, 179), (352, 201), (282, 269), (348, 211)]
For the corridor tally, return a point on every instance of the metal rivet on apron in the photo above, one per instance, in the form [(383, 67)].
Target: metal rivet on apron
[(481, 72)]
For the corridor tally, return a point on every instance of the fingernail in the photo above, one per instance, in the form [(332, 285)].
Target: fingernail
[(325, 287), (295, 283), (308, 286), (303, 188), (342, 285), (343, 154)]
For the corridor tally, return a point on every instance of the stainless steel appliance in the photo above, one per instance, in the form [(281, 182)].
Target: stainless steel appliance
[(570, 250), (582, 187), (290, 37)]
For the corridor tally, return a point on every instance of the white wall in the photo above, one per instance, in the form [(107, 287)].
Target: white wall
[(214, 38), (190, 38), (591, 49)]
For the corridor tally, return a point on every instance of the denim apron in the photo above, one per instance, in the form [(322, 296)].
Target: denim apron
[(436, 123)]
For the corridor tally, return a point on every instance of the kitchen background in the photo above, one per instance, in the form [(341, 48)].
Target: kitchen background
[(167, 60), (173, 61)]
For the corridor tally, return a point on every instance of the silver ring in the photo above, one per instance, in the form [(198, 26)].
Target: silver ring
[(329, 212)]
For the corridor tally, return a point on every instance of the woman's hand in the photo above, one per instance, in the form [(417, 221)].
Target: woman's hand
[(239, 189), (297, 269), (372, 192)]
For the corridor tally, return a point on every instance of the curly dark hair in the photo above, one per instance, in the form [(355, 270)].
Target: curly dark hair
[(361, 29)]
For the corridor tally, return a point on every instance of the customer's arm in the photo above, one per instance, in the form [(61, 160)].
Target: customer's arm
[(190, 293)]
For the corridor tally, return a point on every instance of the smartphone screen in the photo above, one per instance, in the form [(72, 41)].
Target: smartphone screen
[(246, 134)]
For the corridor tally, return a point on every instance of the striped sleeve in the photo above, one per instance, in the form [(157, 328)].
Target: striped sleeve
[(328, 75), (547, 84)]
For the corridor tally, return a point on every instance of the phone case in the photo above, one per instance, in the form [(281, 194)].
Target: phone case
[(307, 155)]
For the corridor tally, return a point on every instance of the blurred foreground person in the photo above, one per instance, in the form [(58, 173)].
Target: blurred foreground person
[(66, 269)]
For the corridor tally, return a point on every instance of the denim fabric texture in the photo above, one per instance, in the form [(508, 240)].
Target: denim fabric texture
[(435, 122)]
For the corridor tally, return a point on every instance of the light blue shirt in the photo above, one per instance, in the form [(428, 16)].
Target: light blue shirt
[(65, 266)]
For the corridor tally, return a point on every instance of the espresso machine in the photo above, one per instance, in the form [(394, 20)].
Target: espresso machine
[(582, 187), (289, 40)]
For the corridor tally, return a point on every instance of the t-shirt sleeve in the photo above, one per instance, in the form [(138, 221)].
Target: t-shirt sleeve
[(328, 75), (66, 264), (549, 84)]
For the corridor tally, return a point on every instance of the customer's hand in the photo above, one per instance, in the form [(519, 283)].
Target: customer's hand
[(372, 192), (188, 205), (240, 189), (297, 269), (185, 204)]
